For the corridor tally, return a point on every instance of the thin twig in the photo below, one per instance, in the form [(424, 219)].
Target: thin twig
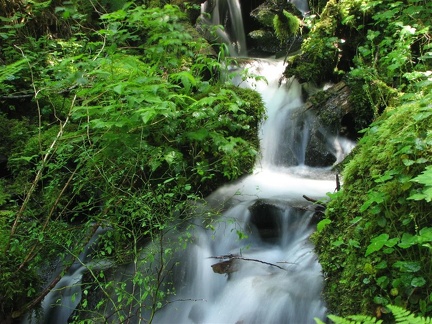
[(52, 284), (237, 257)]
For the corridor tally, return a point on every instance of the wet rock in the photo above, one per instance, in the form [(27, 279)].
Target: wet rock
[(262, 37), (332, 128), (267, 216), (223, 267)]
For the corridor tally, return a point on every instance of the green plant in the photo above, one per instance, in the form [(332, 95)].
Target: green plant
[(400, 314), (321, 49), (388, 217), (120, 137)]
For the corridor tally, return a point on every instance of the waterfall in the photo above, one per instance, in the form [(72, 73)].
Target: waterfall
[(262, 234), (277, 278), (226, 14), (301, 5), (285, 133)]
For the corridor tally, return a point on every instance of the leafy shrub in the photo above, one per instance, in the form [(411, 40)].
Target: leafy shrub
[(318, 61), (130, 129)]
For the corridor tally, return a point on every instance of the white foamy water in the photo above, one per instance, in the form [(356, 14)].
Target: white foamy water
[(277, 277)]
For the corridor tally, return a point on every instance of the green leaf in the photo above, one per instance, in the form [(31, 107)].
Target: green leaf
[(425, 177), (354, 243), (148, 115), (418, 282), (380, 300), (407, 240), (392, 242), (377, 244), (407, 266), (23, 158), (374, 197), (383, 281), (425, 235), (322, 224), (388, 175), (338, 243), (7, 72), (198, 135), (119, 88)]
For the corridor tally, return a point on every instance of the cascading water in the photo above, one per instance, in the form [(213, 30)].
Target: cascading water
[(272, 276), (226, 14), (301, 5), (257, 264)]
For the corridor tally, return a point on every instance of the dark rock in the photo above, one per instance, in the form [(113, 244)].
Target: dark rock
[(267, 216), (228, 266), (263, 38), (333, 120)]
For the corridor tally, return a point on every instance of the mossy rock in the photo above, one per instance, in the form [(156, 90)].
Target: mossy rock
[(264, 15), (377, 200)]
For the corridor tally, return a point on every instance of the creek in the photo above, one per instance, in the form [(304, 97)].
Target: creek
[(271, 275), (257, 264)]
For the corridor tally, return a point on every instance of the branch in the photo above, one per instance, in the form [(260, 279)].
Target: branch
[(228, 267), (338, 185), (30, 93), (38, 176), (310, 199), (47, 290)]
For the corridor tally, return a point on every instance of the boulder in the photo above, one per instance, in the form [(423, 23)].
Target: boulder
[(332, 132)]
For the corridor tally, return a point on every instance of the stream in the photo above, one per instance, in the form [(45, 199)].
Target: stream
[(257, 264), (276, 277)]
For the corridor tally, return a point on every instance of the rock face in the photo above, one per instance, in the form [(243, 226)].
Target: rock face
[(332, 133), (225, 267), (332, 108), (267, 216)]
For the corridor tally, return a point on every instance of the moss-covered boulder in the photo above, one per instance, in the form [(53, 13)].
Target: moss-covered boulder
[(277, 27), (375, 242)]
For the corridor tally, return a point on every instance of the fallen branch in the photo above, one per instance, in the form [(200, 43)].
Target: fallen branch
[(310, 199), (228, 266)]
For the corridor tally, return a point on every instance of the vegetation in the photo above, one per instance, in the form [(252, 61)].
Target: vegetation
[(318, 61), (400, 315), (115, 122), (375, 241), (286, 25), (118, 125)]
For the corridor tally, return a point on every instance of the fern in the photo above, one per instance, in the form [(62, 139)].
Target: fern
[(401, 316), (355, 319)]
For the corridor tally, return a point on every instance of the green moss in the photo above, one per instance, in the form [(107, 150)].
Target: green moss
[(376, 200), (14, 133), (318, 61), (360, 104), (307, 68), (286, 25), (317, 6)]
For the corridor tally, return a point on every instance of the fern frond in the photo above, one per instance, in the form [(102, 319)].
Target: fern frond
[(365, 319), (403, 316), (340, 320), (354, 319)]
